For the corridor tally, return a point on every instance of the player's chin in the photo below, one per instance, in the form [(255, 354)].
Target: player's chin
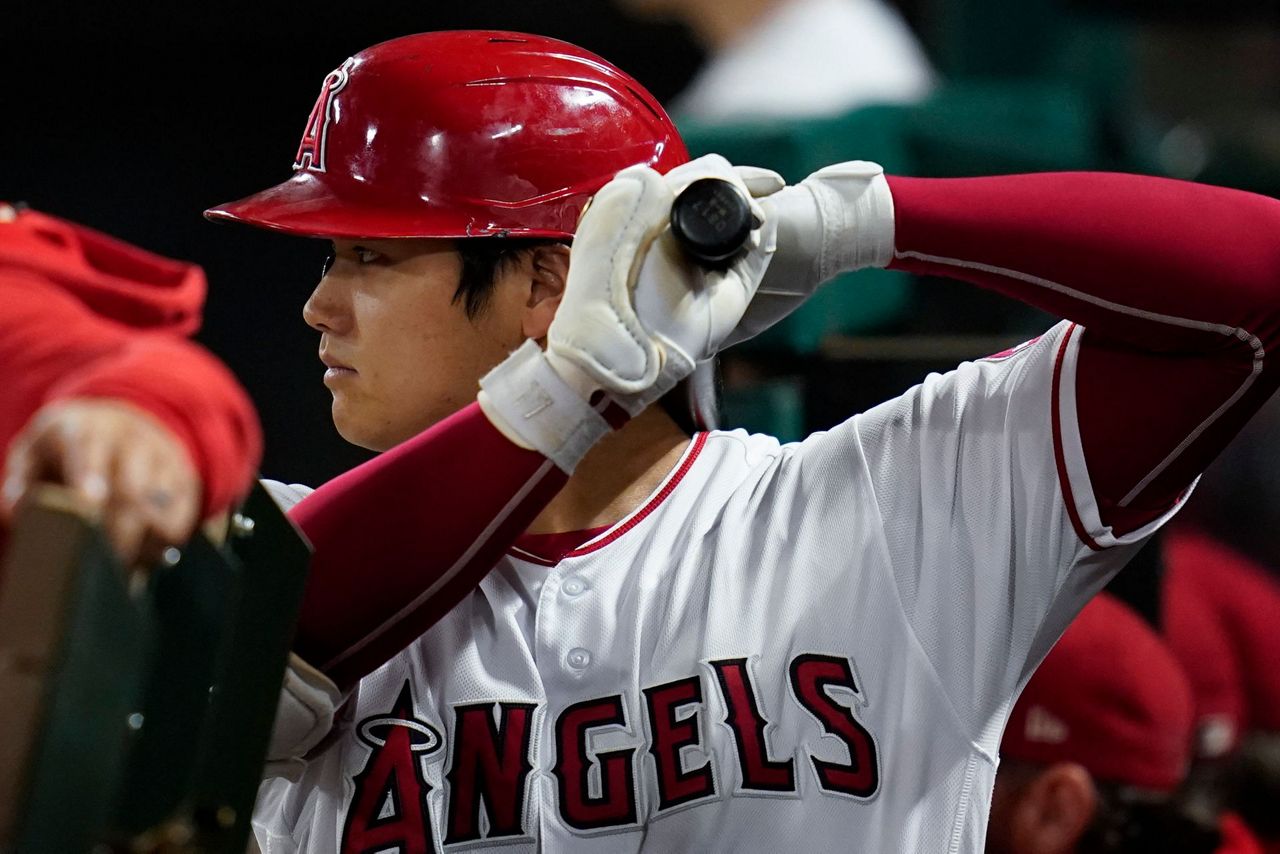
[(375, 428), (355, 423)]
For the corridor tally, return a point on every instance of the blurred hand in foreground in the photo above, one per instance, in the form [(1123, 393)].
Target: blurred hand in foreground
[(132, 471)]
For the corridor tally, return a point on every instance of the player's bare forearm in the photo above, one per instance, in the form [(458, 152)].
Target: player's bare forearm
[(1178, 288)]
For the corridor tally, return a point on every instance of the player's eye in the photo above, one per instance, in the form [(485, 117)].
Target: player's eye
[(328, 263), (365, 255)]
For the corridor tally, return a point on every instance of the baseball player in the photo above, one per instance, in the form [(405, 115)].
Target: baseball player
[(716, 642)]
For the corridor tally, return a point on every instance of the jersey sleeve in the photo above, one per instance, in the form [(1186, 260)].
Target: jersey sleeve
[(1174, 283), (983, 510), (1012, 488)]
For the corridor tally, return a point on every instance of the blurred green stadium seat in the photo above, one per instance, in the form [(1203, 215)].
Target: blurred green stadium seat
[(775, 407), (969, 127), (853, 303)]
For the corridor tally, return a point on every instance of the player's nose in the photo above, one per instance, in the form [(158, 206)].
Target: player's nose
[(326, 310)]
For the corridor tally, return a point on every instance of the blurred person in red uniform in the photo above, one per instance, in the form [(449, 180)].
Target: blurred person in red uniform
[(1220, 613), (1097, 747), (103, 391)]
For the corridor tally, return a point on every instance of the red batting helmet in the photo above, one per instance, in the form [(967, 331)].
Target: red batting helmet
[(468, 134), (463, 134)]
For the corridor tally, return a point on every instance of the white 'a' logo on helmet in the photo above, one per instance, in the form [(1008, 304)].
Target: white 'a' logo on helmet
[(311, 151)]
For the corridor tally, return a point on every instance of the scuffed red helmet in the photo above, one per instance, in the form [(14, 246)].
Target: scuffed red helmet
[(463, 134)]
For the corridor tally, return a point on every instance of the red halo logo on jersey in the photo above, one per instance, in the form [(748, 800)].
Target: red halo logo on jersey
[(311, 151), (388, 809)]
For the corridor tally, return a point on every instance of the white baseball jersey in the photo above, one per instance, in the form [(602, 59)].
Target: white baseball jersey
[(810, 646)]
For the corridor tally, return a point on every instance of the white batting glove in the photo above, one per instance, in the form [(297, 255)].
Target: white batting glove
[(689, 309), (837, 220), (663, 312), (636, 315)]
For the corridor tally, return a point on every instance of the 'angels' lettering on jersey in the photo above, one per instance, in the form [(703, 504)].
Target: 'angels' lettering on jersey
[(491, 761)]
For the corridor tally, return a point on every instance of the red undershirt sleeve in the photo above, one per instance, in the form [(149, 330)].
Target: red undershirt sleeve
[(403, 538), (1177, 286)]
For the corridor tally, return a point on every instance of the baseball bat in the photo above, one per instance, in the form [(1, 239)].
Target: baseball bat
[(711, 219)]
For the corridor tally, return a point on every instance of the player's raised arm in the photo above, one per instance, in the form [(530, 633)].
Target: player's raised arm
[(1177, 286), (1168, 279), (1012, 488)]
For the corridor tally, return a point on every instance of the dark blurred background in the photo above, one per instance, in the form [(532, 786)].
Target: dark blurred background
[(135, 117)]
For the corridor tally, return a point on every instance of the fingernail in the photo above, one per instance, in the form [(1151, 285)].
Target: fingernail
[(12, 490)]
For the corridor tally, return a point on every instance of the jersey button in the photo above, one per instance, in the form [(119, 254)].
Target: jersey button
[(574, 586), (578, 658)]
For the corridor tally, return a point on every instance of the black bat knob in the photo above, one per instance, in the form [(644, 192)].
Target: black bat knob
[(711, 218)]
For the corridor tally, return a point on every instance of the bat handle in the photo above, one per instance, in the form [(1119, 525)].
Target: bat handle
[(711, 218)]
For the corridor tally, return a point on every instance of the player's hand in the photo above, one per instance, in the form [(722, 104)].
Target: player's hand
[(131, 471), (637, 314), (838, 219)]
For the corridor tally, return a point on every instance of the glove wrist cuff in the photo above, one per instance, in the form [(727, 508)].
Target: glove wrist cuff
[(855, 207), (533, 406)]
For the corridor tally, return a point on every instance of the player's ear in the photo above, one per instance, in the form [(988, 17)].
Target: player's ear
[(548, 271), (1056, 809)]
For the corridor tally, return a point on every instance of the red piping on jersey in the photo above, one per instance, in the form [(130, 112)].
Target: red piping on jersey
[(549, 549), (1058, 455), (699, 440)]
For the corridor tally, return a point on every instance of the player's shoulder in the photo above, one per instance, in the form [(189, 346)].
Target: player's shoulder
[(743, 448), (737, 458), (984, 391)]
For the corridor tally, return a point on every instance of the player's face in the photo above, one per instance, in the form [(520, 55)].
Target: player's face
[(400, 354)]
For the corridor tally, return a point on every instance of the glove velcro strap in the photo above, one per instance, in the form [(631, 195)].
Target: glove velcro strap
[(529, 402)]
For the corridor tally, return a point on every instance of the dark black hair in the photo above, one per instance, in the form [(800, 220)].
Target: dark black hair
[(484, 258), (1246, 782)]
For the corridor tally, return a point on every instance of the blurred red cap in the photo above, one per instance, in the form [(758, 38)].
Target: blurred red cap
[(1111, 697), (1221, 618)]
